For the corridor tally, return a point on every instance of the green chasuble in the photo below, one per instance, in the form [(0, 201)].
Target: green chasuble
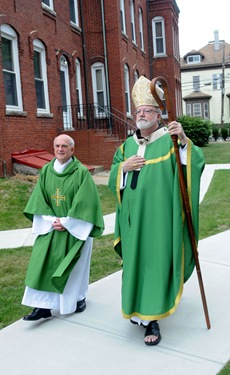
[(151, 234), (72, 193)]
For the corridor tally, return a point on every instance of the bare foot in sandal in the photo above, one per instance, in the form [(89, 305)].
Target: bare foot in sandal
[(152, 333)]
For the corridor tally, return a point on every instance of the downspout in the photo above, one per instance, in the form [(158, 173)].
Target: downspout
[(85, 65), (149, 41), (106, 60)]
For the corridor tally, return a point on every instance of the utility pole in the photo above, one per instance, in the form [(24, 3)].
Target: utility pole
[(223, 87)]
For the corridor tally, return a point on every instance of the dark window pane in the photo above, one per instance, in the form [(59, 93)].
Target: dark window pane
[(127, 102), (7, 62), (72, 11), (63, 91), (100, 101), (37, 66), (158, 29), (40, 94), (159, 43), (47, 2), (10, 89)]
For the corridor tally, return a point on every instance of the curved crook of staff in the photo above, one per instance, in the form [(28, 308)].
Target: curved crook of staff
[(184, 193)]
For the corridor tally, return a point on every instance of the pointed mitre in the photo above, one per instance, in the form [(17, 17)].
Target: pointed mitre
[(141, 93)]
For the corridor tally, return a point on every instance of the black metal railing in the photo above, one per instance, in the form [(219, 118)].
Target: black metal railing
[(93, 116)]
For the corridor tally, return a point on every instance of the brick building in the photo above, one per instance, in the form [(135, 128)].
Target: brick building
[(69, 66)]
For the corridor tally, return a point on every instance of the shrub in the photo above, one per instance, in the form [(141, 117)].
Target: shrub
[(224, 133), (196, 129), (215, 133)]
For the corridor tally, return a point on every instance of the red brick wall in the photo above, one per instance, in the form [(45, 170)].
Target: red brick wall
[(18, 133), (29, 131), (168, 67), (94, 148)]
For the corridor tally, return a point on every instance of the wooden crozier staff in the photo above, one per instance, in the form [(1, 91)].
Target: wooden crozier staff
[(184, 192)]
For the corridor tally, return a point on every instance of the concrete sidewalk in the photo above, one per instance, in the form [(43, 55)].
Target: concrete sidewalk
[(100, 341)]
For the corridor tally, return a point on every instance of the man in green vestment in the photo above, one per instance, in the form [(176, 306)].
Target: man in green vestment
[(151, 233), (66, 214)]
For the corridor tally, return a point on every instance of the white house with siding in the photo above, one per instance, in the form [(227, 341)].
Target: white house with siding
[(205, 81)]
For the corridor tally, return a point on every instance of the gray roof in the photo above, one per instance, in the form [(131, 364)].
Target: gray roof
[(197, 95), (210, 57)]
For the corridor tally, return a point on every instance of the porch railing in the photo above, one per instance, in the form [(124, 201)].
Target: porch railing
[(93, 116)]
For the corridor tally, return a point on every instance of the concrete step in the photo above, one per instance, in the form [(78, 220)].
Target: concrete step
[(98, 169)]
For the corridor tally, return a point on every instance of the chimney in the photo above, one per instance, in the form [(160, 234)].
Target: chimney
[(216, 40)]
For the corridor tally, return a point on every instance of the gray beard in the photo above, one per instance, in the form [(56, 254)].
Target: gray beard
[(143, 124)]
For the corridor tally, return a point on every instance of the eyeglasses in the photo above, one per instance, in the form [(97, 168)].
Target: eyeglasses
[(145, 111)]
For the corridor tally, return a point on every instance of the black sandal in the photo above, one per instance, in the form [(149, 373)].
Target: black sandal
[(153, 329)]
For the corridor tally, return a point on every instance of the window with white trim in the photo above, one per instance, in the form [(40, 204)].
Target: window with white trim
[(122, 15), (217, 81), (158, 28), (65, 93), (49, 3), (99, 89), (164, 112), (193, 59), (40, 77), (188, 109), (132, 18), (196, 83), (206, 110), (79, 88), (127, 90), (141, 29), (10, 67), (73, 7), (197, 110)]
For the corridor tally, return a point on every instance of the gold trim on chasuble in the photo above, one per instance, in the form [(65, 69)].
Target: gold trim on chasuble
[(179, 295), (162, 158), (189, 173), (118, 192)]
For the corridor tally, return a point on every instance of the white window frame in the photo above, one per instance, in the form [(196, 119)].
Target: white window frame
[(75, 6), (193, 59), (188, 109), (99, 67), (122, 14), (196, 83), (40, 48), (157, 38), (217, 81), (132, 19), (206, 110), (79, 88), (197, 110), (67, 115), (127, 90), (141, 29), (7, 32), (50, 5)]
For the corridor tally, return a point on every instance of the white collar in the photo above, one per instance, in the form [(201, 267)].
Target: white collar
[(58, 167)]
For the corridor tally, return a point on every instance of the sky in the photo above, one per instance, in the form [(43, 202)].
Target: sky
[(198, 19)]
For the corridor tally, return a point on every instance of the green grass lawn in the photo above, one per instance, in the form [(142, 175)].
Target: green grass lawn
[(217, 153)]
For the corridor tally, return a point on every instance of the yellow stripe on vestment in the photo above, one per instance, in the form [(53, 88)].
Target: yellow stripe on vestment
[(162, 158)]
